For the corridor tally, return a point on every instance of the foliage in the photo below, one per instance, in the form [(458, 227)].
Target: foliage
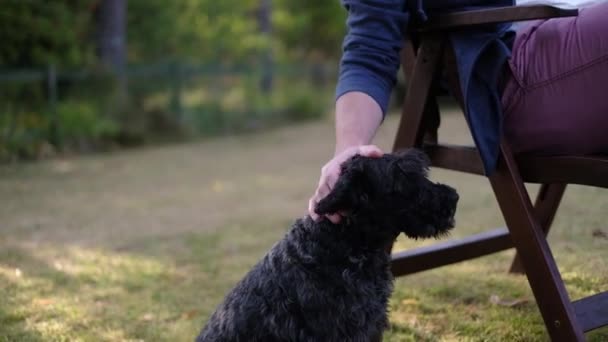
[(62, 32), (200, 30), (74, 125), (302, 102), (80, 124), (39, 33), (227, 31), (311, 29), (255, 110), (22, 135), (161, 36)]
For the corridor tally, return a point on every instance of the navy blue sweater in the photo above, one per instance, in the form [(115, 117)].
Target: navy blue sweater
[(371, 49)]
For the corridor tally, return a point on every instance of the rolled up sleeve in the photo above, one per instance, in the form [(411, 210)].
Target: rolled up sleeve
[(371, 48)]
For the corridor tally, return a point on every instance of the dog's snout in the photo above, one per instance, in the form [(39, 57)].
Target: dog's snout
[(447, 193), (453, 198), (448, 198)]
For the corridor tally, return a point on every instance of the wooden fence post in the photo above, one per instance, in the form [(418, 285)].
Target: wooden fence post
[(176, 92), (51, 91)]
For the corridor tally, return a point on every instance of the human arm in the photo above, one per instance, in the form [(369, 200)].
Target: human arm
[(368, 71), (358, 116)]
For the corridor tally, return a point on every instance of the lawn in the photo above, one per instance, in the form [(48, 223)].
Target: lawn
[(141, 245)]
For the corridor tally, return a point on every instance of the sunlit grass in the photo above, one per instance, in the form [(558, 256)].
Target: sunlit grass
[(70, 294), (143, 245)]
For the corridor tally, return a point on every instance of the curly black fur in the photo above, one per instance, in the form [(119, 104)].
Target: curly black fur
[(326, 282)]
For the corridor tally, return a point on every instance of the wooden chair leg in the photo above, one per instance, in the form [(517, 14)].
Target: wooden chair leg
[(547, 202), (431, 117), (420, 82), (542, 272), (411, 128)]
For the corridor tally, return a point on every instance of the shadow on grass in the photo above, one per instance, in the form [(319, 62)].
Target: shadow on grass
[(72, 294), (478, 301), (164, 290), (14, 327), (13, 320)]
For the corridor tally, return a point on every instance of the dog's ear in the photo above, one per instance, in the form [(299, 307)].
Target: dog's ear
[(413, 161), (348, 192)]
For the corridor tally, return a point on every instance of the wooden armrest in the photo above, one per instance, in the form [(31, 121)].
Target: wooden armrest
[(583, 170), (493, 16)]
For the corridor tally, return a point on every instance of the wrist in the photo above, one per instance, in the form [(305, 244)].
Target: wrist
[(358, 117), (343, 146)]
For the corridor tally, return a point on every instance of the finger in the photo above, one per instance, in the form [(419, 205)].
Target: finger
[(325, 185), (334, 218), (311, 209), (370, 151), (325, 172), (330, 182), (321, 192)]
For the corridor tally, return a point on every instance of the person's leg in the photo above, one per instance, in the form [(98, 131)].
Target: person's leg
[(556, 100)]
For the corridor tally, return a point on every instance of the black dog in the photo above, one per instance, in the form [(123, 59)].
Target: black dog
[(327, 282)]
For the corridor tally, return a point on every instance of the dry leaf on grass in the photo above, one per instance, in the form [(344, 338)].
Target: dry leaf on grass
[(409, 302), (43, 301), (147, 317), (186, 315), (600, 233), (494, 299), (100, 304), (189, 314)]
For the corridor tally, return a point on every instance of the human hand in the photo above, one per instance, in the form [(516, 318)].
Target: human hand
[(330, 173)]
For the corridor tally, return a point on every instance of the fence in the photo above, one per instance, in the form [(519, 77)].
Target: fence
[(89, 109)]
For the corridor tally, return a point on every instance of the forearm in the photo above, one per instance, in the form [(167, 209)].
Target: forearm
[(358, 117), (368, 68), (370, 57)]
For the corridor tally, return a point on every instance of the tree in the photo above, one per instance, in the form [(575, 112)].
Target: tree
[(111, 28), (37, 33), (265, 23), (202, 31), (111, 41), (310, 29)]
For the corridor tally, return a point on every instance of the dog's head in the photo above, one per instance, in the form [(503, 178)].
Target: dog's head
[(393, 193)]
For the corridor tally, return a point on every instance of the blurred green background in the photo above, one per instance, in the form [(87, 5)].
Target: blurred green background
[(142, 245), (89, 75)]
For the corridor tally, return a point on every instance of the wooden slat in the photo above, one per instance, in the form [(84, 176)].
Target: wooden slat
[(587, 170), (454, 157), (592, 312), (494, 15), (450, 252)]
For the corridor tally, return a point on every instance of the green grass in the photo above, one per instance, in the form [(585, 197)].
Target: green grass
[(142, 245)]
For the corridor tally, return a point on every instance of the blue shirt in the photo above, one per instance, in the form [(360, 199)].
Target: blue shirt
[(371, 50)]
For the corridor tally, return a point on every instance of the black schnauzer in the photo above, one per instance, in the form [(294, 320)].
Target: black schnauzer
[(332, 282)]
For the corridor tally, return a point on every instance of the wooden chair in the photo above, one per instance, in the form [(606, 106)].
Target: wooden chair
[(527, 224)]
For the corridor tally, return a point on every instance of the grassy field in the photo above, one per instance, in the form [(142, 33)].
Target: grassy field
[(142, 245)]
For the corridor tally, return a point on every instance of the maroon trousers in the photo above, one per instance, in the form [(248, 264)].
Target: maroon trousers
[(555, 98)]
